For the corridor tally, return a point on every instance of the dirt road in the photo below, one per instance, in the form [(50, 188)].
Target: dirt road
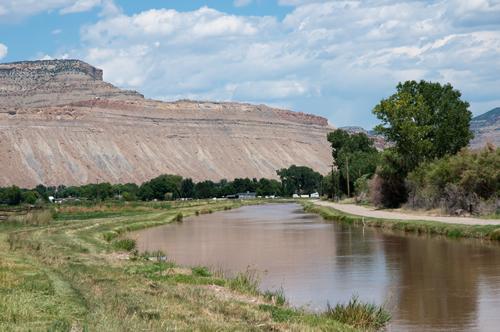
[(370, 212)]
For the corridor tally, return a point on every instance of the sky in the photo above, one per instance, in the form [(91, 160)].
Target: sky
[(336, 59)]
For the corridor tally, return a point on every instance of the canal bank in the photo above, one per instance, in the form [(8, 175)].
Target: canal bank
[(453, 227)]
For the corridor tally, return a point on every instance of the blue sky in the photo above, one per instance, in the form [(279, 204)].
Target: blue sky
[(331, 58)]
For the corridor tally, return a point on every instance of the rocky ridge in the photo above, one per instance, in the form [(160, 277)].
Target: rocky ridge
[(62, 124), (486, 128)]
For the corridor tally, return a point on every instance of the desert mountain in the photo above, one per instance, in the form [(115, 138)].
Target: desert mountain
[(486, 128), (62, 124)]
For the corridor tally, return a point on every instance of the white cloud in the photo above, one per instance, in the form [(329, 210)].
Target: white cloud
[(56, 31), (12, 10), (80, 6), (335, 58), (3, 51)]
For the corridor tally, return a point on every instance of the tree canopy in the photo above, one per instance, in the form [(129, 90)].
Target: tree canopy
[(425, 121), (299, 180)]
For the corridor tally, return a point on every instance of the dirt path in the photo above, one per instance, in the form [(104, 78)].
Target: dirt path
[(370, 212)]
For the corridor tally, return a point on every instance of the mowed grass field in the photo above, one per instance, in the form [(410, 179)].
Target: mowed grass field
[(74, 270)]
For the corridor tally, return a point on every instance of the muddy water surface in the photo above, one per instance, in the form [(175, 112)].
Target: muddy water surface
[(429, 284)]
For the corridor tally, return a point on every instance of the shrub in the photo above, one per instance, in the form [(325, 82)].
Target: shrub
[(179, 217), (365, 316), (466, 182)]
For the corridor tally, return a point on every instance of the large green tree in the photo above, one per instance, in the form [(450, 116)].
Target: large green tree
[(425, 121), (299, 180)]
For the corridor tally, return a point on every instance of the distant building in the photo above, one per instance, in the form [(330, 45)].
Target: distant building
[(247, 195), (315, 195)]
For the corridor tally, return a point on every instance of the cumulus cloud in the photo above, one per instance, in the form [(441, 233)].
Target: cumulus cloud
[(3, 50), (334, 58)]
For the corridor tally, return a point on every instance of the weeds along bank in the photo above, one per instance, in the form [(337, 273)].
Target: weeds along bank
[(489, 232), (78, 272)]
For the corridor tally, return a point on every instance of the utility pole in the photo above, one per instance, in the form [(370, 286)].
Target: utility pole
[(347, 169), (333, 184)]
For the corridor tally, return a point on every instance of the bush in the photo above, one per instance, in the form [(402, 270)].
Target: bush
[(365, 316), (466, 182), (179, 217)]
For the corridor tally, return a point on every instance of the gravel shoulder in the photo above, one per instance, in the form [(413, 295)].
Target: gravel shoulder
[(370, 212)]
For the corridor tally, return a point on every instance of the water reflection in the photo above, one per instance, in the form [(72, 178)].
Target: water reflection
[(429, 283)]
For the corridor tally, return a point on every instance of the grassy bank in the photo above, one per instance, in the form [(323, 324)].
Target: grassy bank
[(489, 232), (78, 272)]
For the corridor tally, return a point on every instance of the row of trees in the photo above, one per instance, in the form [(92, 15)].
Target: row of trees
[(293, 180), (427, 124)]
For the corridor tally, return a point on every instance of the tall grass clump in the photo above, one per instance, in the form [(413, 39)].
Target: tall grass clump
[(245, 282), (124, 244), (277, 297), (365, 316)]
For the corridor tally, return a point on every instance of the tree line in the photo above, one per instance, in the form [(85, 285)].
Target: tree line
[(293, 180), (427, 164)]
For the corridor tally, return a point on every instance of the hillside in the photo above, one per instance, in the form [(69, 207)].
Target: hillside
[(486, 128), (61, 124)]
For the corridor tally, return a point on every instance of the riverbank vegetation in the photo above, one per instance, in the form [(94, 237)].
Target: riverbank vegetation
[(427, 164), (488, 232), (78, 271)]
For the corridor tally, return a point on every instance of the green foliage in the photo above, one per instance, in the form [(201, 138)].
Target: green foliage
[(158, 187), (201, 271), (187, 188), (124, 244), (245, 282), (279, 313), (425, 120), (388, 186), (178, 217), (331, 185), (277, 297), (11, 195), (365, 316), (354, 155), (459, 182), (299, 180)]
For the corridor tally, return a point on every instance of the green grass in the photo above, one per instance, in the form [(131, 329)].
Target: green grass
[(490, 232), (124, 244), (80, 272), (365, 316)]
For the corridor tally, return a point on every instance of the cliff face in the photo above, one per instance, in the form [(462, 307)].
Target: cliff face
[(61, 124), (486, 128)]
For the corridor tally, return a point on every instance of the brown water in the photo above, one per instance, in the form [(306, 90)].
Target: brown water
[(428, 284)]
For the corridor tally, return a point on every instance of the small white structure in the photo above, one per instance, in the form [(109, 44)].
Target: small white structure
[(315, 195), (295, 196), (51, 199), (304, 196)]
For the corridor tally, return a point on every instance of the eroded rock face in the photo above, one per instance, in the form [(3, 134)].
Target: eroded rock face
[(61, 124), (486, 129)]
